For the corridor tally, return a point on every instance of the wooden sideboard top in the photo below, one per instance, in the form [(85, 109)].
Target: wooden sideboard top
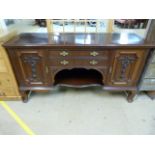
[(109, 40)]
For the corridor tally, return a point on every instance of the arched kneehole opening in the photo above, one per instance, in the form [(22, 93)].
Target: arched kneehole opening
[(78, 77)]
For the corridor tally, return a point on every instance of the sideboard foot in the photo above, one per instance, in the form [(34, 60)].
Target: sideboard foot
[(25, 95), (131, 95)]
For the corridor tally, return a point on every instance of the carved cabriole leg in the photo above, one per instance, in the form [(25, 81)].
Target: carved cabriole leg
[(25, 95), (131, 95)]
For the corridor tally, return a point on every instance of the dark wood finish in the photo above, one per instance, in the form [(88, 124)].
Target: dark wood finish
[(113, 61), (25, 95), (131, 95), (126, 66), (66, 41)]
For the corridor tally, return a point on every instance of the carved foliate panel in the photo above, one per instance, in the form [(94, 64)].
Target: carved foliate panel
[(125, 67), (125, 61), (32, 61), (33, 68)]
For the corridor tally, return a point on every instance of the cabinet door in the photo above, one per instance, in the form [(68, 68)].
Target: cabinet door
[(32, 66), (127, 67)]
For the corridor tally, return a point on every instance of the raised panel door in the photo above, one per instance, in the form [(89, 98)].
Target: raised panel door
[(127, 67), (33, 68)]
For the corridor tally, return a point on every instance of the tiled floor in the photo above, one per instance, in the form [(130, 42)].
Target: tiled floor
[(81, 111)]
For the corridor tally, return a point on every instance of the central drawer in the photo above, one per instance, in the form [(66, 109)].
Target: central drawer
[(78, 62), (70, 53)]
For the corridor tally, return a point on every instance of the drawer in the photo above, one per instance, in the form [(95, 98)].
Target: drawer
[(67, 53), (5, 81), (148, 84), (150, 73), (3, 67), (78, 62)]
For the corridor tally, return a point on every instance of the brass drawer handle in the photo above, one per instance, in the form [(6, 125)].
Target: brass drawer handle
[(64, 53), (93, 62), (64, 62), (94, 53)]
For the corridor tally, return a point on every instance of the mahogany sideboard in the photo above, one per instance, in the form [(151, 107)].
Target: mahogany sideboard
[(113, 61)]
